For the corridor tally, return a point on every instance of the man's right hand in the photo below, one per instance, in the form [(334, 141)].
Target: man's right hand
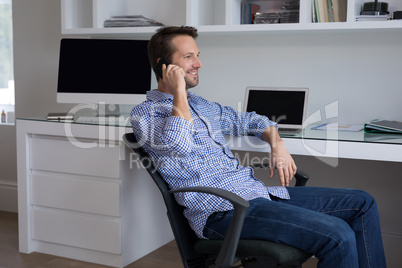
[(173, 76)]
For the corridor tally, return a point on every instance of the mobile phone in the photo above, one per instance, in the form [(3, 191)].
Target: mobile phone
[(158, 67)]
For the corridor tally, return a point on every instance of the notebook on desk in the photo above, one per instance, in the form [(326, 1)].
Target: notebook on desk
[(287, 106)]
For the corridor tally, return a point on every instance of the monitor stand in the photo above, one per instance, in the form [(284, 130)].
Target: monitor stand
[(108, 109)]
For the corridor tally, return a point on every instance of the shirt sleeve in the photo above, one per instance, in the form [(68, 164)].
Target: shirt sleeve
[(162, 133), (243, 123)]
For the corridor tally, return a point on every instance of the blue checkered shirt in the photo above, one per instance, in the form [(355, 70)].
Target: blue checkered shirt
[(197, 154)]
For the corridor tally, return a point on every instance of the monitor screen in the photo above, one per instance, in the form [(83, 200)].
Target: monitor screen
[(107, 71)]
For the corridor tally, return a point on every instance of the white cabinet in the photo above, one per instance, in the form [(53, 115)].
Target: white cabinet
[(84, 196), (209, 16)]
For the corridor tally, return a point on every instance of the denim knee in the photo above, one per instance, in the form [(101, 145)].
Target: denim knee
[(345, 237), (341, 246), (367, 200)]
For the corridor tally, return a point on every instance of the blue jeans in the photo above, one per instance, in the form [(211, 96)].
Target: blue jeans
[(339, 226)]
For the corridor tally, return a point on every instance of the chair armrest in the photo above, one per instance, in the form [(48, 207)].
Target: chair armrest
[(300, 176), (227, 252)]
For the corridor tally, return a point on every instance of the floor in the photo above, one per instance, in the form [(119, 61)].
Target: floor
[(165, 257)]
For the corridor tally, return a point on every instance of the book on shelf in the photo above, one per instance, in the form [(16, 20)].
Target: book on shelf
[(316, 15), (321, 10), (383, 126), (248, 11), (339, 8), (130, 21), (329, 10)]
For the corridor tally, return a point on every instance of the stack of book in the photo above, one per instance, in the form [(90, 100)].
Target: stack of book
[(251, 14), (329, 10), (374, 11), (290, 11), (266, 18), (130, 21)]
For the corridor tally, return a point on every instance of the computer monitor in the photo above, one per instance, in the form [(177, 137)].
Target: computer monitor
[(103, 71)]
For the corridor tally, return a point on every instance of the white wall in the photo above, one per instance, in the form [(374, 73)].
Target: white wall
[(36, 26), (360, 70), (36, 48), (8, 169)]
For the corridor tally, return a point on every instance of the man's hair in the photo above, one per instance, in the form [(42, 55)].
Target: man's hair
[(160, 44)]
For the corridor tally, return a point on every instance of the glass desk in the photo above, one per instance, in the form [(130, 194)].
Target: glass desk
[(318, 143), (121, 121), (338, 144)]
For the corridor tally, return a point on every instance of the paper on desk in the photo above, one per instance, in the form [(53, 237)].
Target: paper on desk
[(340, 127)]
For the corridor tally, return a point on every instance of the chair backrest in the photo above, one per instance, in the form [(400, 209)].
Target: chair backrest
[(184, 235)]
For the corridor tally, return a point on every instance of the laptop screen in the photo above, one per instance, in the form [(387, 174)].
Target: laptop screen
[(285, 106)]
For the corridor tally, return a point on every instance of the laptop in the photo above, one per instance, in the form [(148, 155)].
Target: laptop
[(287, 106)]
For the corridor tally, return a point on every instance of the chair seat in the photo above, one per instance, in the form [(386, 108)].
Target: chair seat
[(283, 254)]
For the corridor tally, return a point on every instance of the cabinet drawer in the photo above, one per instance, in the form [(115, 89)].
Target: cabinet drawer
[(76, 194), (61, 155), (77, 230)]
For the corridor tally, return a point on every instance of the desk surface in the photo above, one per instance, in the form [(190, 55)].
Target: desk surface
[(318, 143), (346, 136), (333, 144)]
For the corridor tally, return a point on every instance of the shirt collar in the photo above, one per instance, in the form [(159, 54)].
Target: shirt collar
[(156, 95)]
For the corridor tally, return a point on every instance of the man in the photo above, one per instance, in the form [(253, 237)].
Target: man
[(184, 134)]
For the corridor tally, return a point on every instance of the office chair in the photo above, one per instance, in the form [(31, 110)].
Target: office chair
[(200, 253)]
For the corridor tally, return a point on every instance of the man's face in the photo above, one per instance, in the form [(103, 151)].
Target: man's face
[(186, 57)]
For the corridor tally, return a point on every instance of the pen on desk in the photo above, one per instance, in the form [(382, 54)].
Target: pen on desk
[(319, 126)]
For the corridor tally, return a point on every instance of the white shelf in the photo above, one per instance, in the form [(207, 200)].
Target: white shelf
[(86, 17)]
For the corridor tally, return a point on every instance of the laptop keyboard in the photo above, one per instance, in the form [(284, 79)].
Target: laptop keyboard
[(289, 131)]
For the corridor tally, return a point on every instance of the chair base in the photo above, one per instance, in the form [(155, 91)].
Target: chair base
[(266, 262), (258, 253)]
